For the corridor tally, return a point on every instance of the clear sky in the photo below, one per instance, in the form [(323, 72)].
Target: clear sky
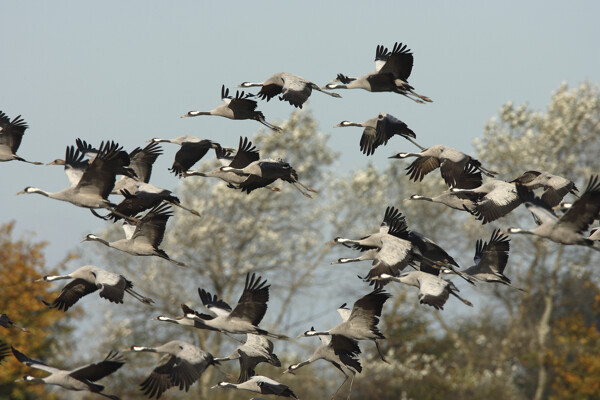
[(126, 71)]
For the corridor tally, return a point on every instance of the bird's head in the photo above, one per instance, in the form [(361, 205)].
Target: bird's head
[(29, 378), (90, 236), (58, 161), (28, 189), (415, 197), (244, 85), (399, 155), (309, 333), (342, 124)]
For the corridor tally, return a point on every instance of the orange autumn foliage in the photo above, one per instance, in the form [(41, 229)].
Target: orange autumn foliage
[(21, 262), (575, 358)]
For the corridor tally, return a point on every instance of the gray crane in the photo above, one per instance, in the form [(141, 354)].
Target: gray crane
[(192, 150), (144, 238), (242, 319), (80, 379), (140, 161), (6, 322), (145, 197), (11, 134), (338, 350), (262, 173), (449, 198), (493, 199), (182, 365), (392, 70), (361, 322), (395, 247), (555, 187), (245, 155), (293, 88), (255, 350), (238, 107), (569, 228), (88, 279), (378, 130), (433, 290), (490, 260), (458, 169), (96, 182), (260, 384)]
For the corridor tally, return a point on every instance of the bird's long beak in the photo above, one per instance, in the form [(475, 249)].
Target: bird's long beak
[(394, 156), (214, 387), (21, 192)]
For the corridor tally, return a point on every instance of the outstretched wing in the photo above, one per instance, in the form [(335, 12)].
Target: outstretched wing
[(96, 371), (399, 63), (252, 304), (585, 209), (213, 303), (153, 224), (71, 293), (11, 132), (493, 254), (246, 154), (23, 359)]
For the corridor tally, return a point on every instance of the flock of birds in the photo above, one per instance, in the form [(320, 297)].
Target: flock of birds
[(92, 176)]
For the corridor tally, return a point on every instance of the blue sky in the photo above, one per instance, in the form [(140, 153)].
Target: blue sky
[(126, 71)]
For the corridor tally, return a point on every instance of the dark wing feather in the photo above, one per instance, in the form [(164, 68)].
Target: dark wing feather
[(99, 177), (368, 141), (141, 160), (399, 63), (252, 304), (210, 300), (132, 204), (189, 154), (71, 293), (254, 182), (494, 253), (160, 378), (246, 154), (368, 309), (267, 92), (12, 132), (4, 350), (585, 209), (421, 167), (96, 371), (153, 224)]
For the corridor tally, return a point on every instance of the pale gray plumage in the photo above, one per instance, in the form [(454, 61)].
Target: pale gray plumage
[(433, 290), (362, 321), (88, 279), (80, 379), (144, 238), (293, 88), (493, 199), (555, 187), (391, 74), (242, 319), (458, 169), (11, 134), (379, 130), (181, 365), (238, 107), (570, 227), (450, 199), (260, 384), (255, 350)]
